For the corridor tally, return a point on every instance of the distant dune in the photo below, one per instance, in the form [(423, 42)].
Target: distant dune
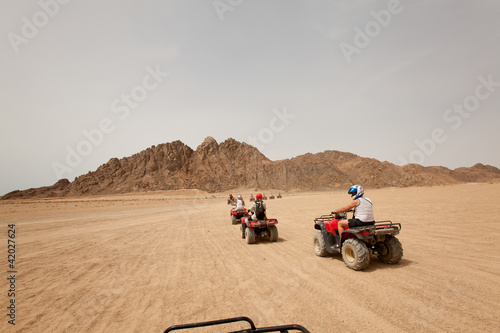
[(214, 167)]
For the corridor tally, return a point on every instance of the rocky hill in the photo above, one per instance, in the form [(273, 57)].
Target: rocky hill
[(214, 167)]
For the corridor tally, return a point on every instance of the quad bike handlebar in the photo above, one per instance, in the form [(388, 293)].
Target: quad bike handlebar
[(331, 216)]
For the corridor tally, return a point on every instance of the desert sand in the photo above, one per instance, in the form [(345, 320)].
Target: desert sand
[(141, 263)]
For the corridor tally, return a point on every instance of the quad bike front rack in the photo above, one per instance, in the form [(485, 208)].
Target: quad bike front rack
[(252, 329)]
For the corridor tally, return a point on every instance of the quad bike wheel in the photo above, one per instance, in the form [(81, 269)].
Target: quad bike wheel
[(250, 235), (234, 220), (273, 233), (355, 254), (319, 245), (390, 251), (242, 229)]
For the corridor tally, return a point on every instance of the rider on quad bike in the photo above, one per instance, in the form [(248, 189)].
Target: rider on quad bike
[(362, 207), (239, 211), (230, 201), (259, 224), (240, 203), (258, 208), (360, 239)]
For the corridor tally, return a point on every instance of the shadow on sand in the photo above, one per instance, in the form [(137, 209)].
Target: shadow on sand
[(376, 264)]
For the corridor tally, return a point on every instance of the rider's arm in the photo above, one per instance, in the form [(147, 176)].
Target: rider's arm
[(347, 208)]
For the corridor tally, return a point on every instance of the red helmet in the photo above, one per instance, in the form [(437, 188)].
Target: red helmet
[(258, 196)]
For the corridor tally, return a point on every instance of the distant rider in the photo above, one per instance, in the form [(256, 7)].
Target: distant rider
[(363, 211), (240, 204), (258, 208)]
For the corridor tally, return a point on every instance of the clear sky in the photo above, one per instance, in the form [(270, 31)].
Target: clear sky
[(400, 81)]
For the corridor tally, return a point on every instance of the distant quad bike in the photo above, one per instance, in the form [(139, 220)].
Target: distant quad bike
[(237, 214), (264, 197), (271, 196), (279, 196), (357, 244), (252, 329), (231, 201), (251, 229), (252, 198)]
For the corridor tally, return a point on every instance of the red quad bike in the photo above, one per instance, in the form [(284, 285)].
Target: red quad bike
[(250, 229), (357, 244), (271, 196), (237, 214)]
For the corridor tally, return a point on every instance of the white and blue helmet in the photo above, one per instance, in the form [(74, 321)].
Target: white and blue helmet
[(356, 191)]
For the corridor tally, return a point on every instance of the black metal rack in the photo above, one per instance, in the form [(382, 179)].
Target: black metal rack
[(252, 329)]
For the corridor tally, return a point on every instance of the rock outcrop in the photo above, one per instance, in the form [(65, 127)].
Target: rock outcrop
[(214, 167)]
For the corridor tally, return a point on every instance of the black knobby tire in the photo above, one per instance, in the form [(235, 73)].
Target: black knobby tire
[(234, 220), (273, 233), (242, 229), (390, 251), (355, 254), (319, 245), (250, 235)]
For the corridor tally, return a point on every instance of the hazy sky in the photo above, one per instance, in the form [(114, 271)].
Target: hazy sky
[(399, 81)]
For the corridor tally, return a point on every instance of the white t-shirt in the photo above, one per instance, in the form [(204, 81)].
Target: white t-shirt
[(364, 210), (239, 204)]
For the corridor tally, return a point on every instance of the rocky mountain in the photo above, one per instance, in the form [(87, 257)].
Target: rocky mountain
[(214, 167)]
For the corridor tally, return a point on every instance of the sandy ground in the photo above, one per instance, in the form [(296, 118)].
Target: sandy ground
[(143, 263)]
